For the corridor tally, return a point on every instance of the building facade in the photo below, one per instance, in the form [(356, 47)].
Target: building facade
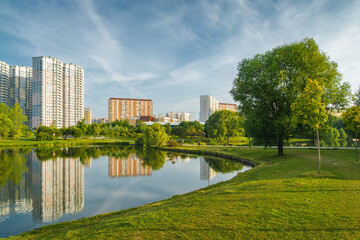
[(20, 91), (182, 116), (4, 83), (208, 105), (126, 108), (58, 93), (228, 106), (87, 115)]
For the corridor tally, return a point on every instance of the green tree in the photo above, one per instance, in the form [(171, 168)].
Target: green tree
[(97, 129), (269, 83), (351, 120), (224, 124), (82, 126), (179, 131), (310, 110), (357, 97), (17, 119), (153, 136), (64, 132), (75, 132), (167, 127)]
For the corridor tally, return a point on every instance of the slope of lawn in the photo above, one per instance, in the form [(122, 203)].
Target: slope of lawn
[(281, 198)]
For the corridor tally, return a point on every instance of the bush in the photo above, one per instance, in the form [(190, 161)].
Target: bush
[(173, 143)]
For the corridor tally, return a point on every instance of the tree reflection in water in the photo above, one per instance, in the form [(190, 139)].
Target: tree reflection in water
[(12, 165)]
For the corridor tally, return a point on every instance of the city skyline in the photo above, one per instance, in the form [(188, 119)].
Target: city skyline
[(166, 52)]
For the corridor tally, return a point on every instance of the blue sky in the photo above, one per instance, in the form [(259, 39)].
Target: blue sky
[(172, 51)]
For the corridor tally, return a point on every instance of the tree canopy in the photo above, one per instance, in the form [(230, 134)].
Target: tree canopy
[(224, 124), (267, 84)]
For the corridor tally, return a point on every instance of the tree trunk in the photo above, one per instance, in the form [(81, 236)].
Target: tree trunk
[(318, 143), (280, 148), (357, 145)]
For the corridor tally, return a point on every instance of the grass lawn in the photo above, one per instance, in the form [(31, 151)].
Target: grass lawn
[(281, 198)]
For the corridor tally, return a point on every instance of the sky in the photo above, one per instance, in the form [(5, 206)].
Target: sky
[(172, 51)]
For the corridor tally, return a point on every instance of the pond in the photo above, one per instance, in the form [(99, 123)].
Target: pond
[(44, 186)]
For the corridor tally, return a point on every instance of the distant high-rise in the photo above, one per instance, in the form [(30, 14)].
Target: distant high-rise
[(227, 106), (20, 90), (87, 115), (208, 105), (126, 108), (182, 116), (58, 93), (4, 83)]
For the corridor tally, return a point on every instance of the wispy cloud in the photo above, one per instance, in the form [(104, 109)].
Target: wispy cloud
[(173, 51)]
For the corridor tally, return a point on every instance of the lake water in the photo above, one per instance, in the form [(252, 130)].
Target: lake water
[(45, 186)]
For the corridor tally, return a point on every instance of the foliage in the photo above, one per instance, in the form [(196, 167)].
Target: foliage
[(224, 124), (269, 83), (45, 133), (167, 127), (75, 132), (179, 131), (173, 143), (153, 136), (356, 97), (5, 121), (308, 109), (351, 120), (17, 119)]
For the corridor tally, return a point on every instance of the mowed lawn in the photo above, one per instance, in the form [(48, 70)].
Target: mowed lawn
[(281, 198)]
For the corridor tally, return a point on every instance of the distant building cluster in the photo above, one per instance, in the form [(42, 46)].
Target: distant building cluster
[(51, 92), (208, 105), (182, 116)]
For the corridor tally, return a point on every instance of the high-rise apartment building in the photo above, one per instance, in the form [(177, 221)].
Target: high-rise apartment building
[(126, 108), (208, 105), (73, 97), (87, 115), (58, 93), (182, 116), (4, 83), (20, 90), (228, 106)]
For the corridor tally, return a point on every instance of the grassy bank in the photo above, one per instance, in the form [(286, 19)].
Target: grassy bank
[(282, 198), (31, 142)]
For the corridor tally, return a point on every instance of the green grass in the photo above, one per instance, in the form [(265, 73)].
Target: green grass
[(281, 198)]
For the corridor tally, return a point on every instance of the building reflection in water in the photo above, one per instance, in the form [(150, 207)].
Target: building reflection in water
[(127, 167), (48, 188), (206, 172)]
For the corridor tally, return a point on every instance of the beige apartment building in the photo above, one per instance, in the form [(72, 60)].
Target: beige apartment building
[(57, 93), (227, 106), (87, 115), (126, 108)]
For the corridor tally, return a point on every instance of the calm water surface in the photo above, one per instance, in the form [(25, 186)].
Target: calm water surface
[(44, 186)]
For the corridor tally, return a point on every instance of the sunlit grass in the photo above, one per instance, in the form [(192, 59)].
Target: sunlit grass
[(281, 198)]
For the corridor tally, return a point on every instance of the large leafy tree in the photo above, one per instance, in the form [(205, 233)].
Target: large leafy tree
[(17, 119), (309, 110), (5, 121), (267, 84), (224, 124), (153, 136), (351, 120)]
